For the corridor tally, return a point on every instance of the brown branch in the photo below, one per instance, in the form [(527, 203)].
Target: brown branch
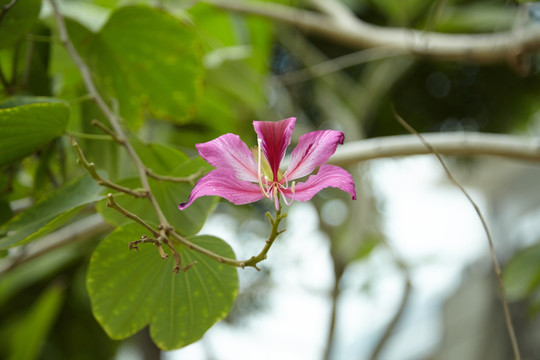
[(5, 8), (337, 64), (91, 168), (108, 131), (455, 143), (481, 48), (114, 205), (383, 340), (178, 261), (251, 262), (496, 266), (114, 120)]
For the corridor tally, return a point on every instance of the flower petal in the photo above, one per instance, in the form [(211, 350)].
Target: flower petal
[(223, 182), (313, 150), (328, 176), (230, 152), (275, 136)]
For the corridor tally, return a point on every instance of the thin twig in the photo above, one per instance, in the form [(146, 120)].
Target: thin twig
[(494, 260), (176, 179), (402, 304), (178, 261), (251, 262), (114, 205), (106, 130), (91, 168), (114, 120), (6, 8), (338, 64)]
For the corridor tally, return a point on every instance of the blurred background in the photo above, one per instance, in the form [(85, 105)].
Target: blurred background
[(403, 272)]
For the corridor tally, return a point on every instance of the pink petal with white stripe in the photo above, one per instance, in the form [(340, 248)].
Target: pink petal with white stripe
[(328, 176), (313, 150), (230, 152), (275, 136), (223, 183)]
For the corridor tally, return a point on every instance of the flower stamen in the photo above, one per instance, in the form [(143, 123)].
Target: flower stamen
[(259, 170), (289, 202)]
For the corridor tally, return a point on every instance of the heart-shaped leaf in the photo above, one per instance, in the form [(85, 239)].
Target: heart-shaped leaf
[(132, 289)]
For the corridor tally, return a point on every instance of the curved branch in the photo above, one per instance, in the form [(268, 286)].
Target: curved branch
[(383, 340), (482, 48), (465, 143), (114, 120), (496, 266)]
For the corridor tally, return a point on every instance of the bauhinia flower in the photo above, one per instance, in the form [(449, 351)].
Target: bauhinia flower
[(244, 176)]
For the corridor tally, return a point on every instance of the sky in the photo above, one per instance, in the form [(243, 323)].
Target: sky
[(430, 225)]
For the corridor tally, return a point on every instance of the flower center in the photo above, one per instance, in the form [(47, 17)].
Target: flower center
[(271, 188)]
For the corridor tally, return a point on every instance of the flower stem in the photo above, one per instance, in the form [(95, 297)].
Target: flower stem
[(251, 262)]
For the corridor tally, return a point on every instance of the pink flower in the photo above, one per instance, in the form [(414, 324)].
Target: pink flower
[(243, 176)]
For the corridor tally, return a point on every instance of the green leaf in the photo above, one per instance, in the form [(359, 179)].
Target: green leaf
[(18, 20), (169, 195), (130, 290), (50, 212), (522, 274), (149, 62), (5, 211), (19, 100), (164, 160), (38, 269), (24, 129), (230, 38), (161, 159), (30, 331)]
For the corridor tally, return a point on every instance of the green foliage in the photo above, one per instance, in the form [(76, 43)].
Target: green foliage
[(149, 62), (522, 277), (132, 289), (50, 212), (178, 75), (18, 20), (164, 159), (26, 128), (37, 270), (28, 333)]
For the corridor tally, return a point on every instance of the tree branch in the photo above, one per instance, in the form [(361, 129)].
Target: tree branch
[(383, 340), (91, 168), (114, 120), (481, 48), (465, 143), (496, 266), (5, 8), (251, 262)]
